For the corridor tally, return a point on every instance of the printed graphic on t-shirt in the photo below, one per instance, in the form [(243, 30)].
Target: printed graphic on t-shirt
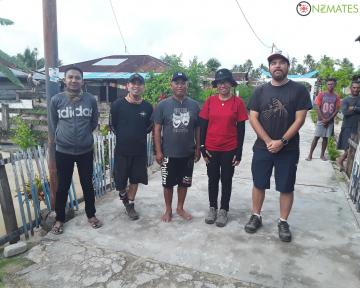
[(276, 109), (180, 120), (328, 105), (142, 114)]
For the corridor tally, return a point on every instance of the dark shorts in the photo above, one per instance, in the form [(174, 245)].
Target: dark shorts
[(344, 136), (177, 171), (132, 168), (285, 164)]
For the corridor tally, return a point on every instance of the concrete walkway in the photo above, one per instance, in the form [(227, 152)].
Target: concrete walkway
[(325, 251)]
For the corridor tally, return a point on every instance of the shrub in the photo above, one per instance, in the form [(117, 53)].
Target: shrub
[(313, 115), (333, 152), (245, 92), (23, 136)]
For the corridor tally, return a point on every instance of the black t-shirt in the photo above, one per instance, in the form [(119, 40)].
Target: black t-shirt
[(277, 106), (130, 123)]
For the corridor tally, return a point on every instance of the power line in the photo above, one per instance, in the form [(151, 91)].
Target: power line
[(252, 29), (118, 26)]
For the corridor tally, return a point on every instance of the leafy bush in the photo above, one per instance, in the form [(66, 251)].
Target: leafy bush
[(205, 94), (313, 115), (245, 92), (333, 152), (23, 136)]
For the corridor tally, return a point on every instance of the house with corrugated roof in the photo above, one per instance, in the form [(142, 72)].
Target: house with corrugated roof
[(32, 83), (106, 77)]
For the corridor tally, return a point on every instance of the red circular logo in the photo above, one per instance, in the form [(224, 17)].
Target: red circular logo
[(303, 8)]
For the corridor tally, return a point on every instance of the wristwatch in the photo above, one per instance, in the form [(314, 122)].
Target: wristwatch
[(284, 141)]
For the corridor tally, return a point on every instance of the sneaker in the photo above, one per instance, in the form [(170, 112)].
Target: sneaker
[(211, 217), (130, 211), (222, 218), (284, 231), (254, 224)]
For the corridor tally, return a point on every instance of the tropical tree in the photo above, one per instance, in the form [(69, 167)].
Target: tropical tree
[(293, 63), (246, 67), (5, 58), (4, 21), (174, 61), (212, 64), (195, 71), (300, 69), (342, 70), (326, 67), (309, 63), (158, 85), (255, 73), (29, 58)]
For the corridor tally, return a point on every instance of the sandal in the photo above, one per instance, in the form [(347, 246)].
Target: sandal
[(94, 222), (57, 229)]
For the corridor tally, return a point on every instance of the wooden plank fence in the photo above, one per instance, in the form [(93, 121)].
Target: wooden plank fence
[(353, 168)]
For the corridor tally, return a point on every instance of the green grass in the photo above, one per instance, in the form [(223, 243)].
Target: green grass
[(12, 265)]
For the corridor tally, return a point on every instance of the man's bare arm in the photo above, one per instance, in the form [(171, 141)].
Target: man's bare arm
[(259, 130), (157, 139)]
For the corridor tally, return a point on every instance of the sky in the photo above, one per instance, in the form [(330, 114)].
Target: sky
[(191, 28)]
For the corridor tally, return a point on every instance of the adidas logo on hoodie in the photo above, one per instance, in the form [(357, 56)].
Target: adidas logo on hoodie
[(69, 112)]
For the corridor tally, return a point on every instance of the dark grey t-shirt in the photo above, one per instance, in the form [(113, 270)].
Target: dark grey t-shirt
[(277, 106), (351, 119), (179, 121)]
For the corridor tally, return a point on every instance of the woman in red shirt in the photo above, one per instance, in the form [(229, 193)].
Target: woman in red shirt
[(222, 133)]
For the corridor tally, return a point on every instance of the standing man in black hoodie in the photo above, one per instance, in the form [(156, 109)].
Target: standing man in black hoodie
[(74, 116)]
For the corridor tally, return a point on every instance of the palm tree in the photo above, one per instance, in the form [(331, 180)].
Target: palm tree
[(213, 64), (309, 62), (29, 59), (4, 58)]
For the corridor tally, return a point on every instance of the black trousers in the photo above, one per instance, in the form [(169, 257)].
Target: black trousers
[(65, 168), (220, 168)]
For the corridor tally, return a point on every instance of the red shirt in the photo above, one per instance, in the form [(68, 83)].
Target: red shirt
[(223, 117), (327, 103)]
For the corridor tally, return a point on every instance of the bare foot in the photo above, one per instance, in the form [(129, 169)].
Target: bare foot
[(167, 216), (309, 158), (323, 158), (183, 214)]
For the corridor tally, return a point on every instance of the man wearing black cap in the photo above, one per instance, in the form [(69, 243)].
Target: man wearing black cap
[(177, 136), (277, 112), (131, 121)]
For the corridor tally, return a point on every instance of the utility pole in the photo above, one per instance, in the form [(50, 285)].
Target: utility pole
[(52, 86)]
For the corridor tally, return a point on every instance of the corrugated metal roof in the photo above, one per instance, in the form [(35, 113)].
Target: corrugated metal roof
[(130, 64), (105, 75)]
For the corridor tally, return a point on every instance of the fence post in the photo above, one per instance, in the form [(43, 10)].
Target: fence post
[(351, 151), (5, 120), (6, 201)]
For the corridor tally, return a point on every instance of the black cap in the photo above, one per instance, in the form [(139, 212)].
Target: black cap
[(179, 75), (137, 77), (224, 75)]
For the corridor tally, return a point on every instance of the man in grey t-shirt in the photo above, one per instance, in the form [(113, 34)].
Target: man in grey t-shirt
[(177, 143)]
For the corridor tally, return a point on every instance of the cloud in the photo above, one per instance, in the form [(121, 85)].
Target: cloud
[(203, 28)]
